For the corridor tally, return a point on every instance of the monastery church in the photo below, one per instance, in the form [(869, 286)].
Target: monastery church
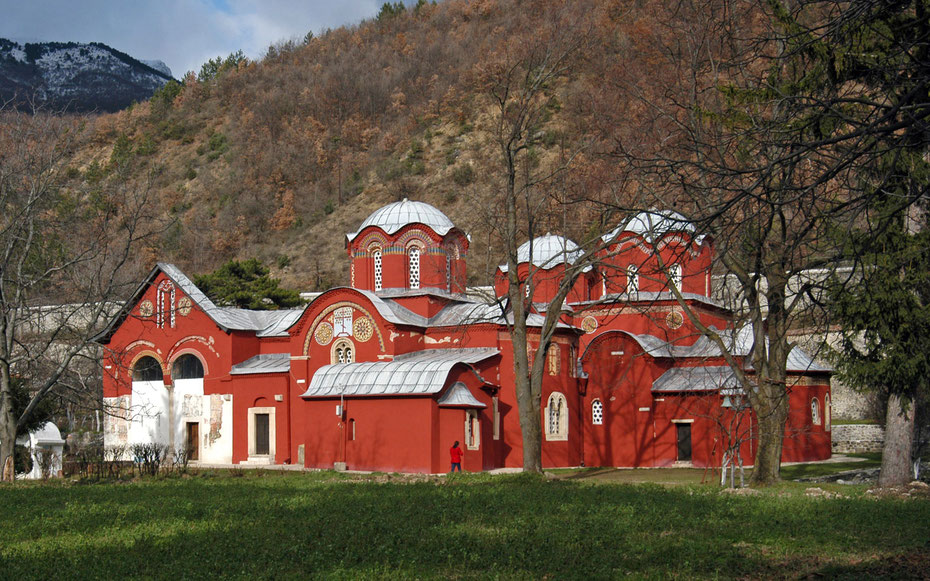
[(386, 373)]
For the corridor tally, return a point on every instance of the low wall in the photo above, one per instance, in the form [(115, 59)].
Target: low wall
[(854, 438)]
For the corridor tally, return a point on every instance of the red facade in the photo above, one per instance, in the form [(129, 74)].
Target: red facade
[(387, 373)]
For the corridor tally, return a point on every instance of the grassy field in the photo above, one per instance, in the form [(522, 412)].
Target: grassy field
[(313, 525)]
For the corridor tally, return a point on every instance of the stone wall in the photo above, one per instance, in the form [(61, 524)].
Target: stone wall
[(855, 438)]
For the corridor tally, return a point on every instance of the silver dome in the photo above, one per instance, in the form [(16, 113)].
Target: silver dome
[(393, 217), (652, 225), (548, 251)]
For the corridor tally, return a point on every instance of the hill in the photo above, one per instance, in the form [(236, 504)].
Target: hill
[(76, 77), (279, 158)]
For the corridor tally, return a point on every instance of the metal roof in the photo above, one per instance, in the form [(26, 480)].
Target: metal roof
[(739, 345), (547, 252), (652, 225), (393, 217), (458, 395), (418, 373), (459, 311), (264, 323), (696, 379), (265, 363)]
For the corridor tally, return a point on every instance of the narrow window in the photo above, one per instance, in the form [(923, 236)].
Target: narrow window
[(448, 271), (472, 430), (597, 412), (556, 417), (815, 411), (495, 405), (413, 265), (553, 356), (352, 430), (674, 275), (827, 412), (376, 259), (632, 280)]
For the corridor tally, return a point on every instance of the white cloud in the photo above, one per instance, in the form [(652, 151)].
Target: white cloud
[(183, 33)]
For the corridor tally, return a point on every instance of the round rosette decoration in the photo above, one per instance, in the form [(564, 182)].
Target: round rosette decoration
[(323, 333)]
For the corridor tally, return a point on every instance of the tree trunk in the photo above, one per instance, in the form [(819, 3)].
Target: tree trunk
[(7, 438), (771, 438), (899, 442)]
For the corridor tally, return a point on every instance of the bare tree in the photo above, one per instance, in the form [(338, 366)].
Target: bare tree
[(63, 253), (521, 81), (774, 109)]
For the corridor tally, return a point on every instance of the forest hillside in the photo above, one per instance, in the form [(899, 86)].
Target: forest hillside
[(279, 158)]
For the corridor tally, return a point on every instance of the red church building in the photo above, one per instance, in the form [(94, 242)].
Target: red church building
[(386, 373)]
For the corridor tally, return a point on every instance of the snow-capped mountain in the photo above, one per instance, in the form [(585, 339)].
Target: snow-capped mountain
[(70, 76)]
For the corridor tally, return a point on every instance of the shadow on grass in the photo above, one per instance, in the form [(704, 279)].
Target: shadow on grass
[(508, 526)]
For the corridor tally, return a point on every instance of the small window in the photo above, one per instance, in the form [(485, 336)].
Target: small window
[(413, 266), (343, 352), (632, 279), (597, 412), (472, 430), (147, 369), (827, 413), (352, 430), (815, 412), (187, 366), (674, 275), (495, 405), (448, 271), (376, 260), (553, 357), (557, 417)]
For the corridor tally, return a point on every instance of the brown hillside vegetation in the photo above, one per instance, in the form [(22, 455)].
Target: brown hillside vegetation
[(280, 158)]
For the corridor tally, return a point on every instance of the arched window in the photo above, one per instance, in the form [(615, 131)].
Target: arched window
[(674, 275), (827, 413), (597, 412), (376, 261), (449, 270), (632, 279), (413, 266), (472, 430), (557, 417), (815, 411), (147, 369), (187, 366), (343, 352), (553, 357)]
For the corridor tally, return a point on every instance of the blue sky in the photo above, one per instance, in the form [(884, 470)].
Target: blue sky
[(182, 33)]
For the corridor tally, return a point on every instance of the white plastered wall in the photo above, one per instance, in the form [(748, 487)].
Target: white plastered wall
[(212, 412), (149, 413)]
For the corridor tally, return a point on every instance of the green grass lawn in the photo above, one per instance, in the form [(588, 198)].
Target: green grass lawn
[(312, 525)]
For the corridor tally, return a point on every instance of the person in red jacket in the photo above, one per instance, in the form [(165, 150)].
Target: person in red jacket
[(456, 454)]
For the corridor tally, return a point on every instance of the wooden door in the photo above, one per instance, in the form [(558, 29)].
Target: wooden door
[(193, 440)]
